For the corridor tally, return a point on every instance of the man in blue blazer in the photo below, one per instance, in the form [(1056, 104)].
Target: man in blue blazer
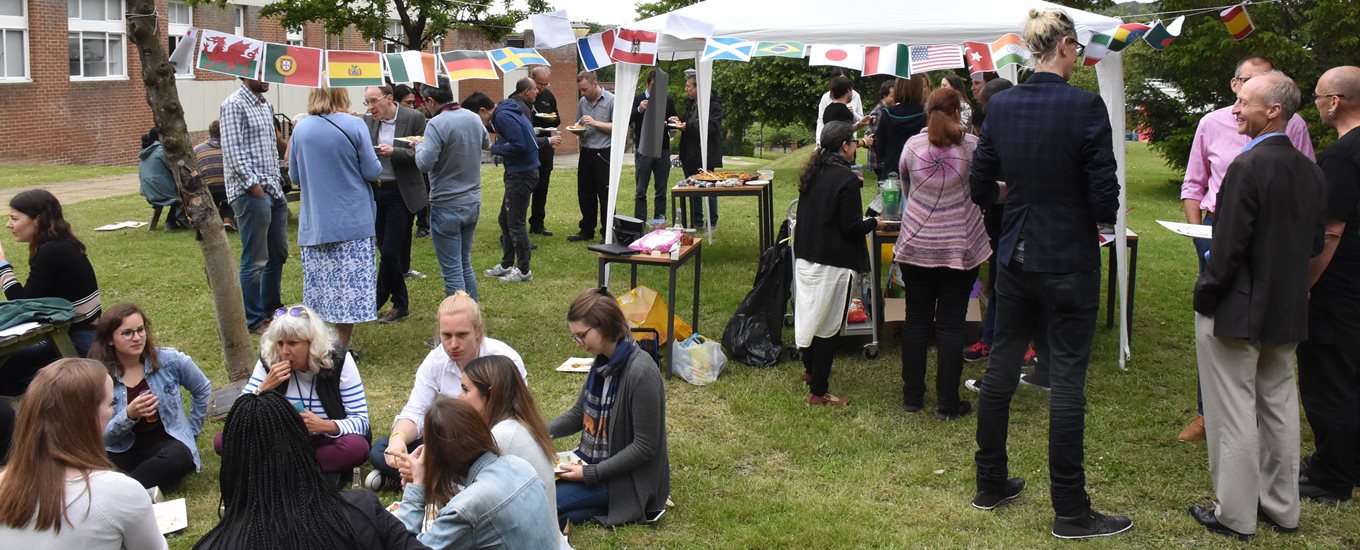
[(1051, 145)]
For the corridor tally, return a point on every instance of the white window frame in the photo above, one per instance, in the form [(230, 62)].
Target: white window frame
[(240, 16), (393, 29), (296, 37), (177, 31), (107, 27), (16, 24)]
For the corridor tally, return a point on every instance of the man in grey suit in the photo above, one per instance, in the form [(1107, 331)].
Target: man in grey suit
[(399, 190), (1251, 305)]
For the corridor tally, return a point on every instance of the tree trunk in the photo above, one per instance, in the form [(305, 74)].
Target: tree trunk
[(158, 77)]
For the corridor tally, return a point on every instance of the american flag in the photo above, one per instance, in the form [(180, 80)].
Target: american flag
[(934, 58)]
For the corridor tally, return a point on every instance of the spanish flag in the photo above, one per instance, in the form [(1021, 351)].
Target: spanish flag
[(1238, 21), (468, 64), (352, 69)]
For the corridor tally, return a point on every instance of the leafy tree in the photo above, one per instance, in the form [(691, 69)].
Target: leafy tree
[(420, 21)]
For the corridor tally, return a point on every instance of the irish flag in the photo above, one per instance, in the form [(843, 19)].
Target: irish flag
[(353, 69), (411, 66), (1009, 50), (292, 65), (894, 60)]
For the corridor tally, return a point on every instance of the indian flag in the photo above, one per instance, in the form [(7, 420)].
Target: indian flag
[(353, 69), (894, 60), (1009, 50), (412, 66)]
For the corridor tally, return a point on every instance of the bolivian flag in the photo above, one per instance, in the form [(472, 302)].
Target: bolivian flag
[(468, 64), (292, 65), (352, 69)]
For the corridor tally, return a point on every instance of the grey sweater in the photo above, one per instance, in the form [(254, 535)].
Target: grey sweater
[(638, 470), (452, 156)]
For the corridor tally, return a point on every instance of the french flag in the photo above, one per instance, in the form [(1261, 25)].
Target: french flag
[(595, 50)]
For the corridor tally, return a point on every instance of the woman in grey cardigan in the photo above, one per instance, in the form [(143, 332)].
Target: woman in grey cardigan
[(621, 416)]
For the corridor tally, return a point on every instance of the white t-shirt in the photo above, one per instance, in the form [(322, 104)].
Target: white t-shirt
[(515, 440), (439, 375), (117, 516)]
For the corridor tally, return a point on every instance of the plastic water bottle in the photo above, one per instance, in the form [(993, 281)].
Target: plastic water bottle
[(892, 197)]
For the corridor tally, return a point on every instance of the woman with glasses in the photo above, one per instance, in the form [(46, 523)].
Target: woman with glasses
[(625, 474), (462, 338), (300, 358), (149, 437)]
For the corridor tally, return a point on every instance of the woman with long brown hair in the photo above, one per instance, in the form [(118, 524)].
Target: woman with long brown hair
[(59, 489), (500, 495), (150, 436), (493, 385)]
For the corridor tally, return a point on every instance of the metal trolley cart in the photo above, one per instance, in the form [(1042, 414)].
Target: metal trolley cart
[(872, 307)]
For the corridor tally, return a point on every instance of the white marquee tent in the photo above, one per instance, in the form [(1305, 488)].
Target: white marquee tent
[(875, 22)]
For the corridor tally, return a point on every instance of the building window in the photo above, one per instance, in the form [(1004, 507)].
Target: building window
[(13, 41), (437, 45), (95, 39), (394, 32), (181, 18), (295, 37), (240, 21)]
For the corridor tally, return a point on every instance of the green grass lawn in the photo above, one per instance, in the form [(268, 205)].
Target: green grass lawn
[(23, 175), (752, 466)]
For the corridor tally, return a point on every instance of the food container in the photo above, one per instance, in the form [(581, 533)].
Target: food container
[(766, 175)]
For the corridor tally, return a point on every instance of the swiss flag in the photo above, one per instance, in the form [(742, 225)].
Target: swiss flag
[(979, 57), (636, 47)]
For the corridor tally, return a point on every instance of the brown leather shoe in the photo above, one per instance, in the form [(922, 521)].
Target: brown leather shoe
[(1193, 432), (827, 399)]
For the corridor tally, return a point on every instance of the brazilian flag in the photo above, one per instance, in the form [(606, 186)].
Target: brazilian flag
[(780, 49)]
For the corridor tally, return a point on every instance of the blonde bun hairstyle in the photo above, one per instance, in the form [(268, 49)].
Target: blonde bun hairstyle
[(1044, 31)]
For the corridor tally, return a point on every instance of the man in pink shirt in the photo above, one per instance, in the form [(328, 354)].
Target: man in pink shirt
[(1216, 144)]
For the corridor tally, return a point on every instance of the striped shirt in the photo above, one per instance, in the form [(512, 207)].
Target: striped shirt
[(301, 391), (941, 227), (250, 151), (209, 154), (58, 270)]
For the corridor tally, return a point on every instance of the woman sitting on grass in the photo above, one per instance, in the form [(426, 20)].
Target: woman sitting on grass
[(300, 359), (57, 268), (274, 495), (501, 503), (621, 416), (150, 437), (59, 490)]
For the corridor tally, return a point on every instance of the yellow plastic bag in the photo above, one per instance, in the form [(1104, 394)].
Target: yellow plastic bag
[(644, 308)]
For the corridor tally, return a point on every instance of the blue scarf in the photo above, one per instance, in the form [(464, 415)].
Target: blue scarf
[(601, 387)]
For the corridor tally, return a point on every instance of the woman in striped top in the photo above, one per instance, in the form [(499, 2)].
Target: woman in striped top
[(300, 358), (939, 248)]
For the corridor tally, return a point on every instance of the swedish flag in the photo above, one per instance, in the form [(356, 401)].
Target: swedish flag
[(509, 59)]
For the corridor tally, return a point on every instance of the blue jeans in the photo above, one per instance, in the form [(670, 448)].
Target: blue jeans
[(379, 461), (578, 503), (263, 225), (451, 230), (696, 211), (656, 170)]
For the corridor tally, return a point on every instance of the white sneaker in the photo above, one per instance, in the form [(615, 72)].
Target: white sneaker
[(413, 274), (515, 276), (974, 385), (498, 271), (376, 481)]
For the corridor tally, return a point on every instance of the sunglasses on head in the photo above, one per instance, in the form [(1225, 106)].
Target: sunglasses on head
[(296, 311)]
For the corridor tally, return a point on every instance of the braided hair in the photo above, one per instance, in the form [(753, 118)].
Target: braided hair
[(272, 487)]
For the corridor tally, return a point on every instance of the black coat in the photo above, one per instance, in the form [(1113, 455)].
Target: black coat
[(1270, 221), (896, 125), (831, 227), (690, 159), (635, 120)]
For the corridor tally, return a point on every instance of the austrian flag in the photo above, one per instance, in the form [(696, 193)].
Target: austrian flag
[(636, 47)]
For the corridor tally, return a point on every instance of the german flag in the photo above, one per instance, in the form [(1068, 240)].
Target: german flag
[(468, 64), (352, 69)]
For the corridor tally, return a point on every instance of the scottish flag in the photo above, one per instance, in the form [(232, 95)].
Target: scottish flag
[(734, 49)]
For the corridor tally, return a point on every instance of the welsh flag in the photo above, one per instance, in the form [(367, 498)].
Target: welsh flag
[(412, 66), (230, 54), (1009, 50), (894, 60), (292, 65)]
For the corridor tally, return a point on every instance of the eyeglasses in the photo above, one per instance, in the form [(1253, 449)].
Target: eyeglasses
[(1317, 96), (1241, 79), (129, 333), (296, 311), (581, 338), (1081, 49), (372, 100)]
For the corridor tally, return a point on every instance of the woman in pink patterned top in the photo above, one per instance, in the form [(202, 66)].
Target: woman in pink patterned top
[(941, 244)]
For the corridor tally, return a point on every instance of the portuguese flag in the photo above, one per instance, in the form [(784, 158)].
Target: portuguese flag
[(292, 65), (353, 69)]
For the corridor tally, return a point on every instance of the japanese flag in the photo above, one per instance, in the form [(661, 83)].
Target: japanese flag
[(850, 57)]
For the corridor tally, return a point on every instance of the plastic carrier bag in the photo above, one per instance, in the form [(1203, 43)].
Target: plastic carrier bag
[(698, 360), (644, 308)]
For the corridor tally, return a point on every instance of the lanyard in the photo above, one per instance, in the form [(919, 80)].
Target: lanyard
[(311, 396)]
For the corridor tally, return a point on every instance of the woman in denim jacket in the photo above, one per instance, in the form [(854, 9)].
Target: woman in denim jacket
[(502, 503), (149, 437)]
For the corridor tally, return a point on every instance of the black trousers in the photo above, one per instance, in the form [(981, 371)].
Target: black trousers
[(393, 228), (937, 300), (1062, 305), (1329, 388), (538, 204), (817, 360), (514, 210), (162, 464), (592, 189)]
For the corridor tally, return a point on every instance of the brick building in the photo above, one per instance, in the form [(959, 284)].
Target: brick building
[(91, 108)]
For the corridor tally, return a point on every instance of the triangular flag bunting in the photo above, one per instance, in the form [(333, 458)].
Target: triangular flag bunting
[(1160, 36), (596, 49), (978, 55), (1238, 21), (230, 54), (353, 69), (1096, 49), (1125, 34), (636, 47), (934, 58), (292, 65), (468, 65), (183, 56), (1009, 50), (734, 49), (780, 49), (412, 66), (894, 60), (509, 59), (850, 57)]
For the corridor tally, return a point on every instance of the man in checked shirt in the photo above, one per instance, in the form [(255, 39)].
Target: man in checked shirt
[(250, 158)]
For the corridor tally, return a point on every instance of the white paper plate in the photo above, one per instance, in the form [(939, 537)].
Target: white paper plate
[(576, 364)]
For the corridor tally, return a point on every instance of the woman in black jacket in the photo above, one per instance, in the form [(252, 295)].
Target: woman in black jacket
[(829, 250), (902, 121)]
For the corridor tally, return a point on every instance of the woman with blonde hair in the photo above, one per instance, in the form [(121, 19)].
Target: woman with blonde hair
[(461, 332), (59, 489), (331, 157), (301, 359)]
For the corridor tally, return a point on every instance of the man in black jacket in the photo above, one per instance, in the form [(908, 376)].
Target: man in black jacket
[(691, 160), (544, 116), (650, 169), (400, 193), (1251, 305)]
